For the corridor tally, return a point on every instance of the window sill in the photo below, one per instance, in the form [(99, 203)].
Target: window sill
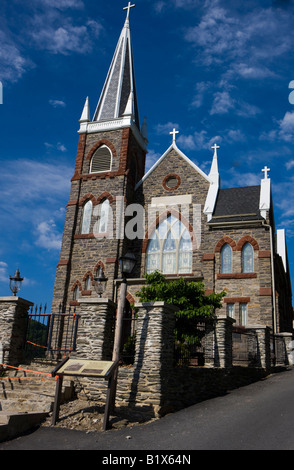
[(237, 276)]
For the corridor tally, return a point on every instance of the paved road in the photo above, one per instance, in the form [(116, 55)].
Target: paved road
[(256, 417)]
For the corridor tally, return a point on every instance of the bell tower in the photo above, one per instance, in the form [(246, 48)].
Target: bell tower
[(110, 161)]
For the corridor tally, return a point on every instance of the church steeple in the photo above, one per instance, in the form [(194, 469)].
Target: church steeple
[(119, 96)]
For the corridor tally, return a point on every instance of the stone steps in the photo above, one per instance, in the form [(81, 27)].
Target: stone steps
[(22, 391), (25, 399)]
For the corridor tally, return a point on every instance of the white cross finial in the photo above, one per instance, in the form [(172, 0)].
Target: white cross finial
[(128, 8), (173, 133), (266, 170), (215, 147)]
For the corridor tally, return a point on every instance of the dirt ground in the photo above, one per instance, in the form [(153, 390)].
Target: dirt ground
[(85, 415)]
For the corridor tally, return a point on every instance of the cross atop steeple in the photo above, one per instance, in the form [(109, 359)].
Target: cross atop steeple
[(128, 8), (215, 147), (173, 133), (266, 170)]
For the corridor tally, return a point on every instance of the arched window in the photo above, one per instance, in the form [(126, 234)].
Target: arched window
[(226, 259), (101, 160), (103, 210), (87, 215), (88, 283), (76, 293), (247, 258), (170, 248)]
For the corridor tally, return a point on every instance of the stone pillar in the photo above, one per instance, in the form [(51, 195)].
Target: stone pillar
[(284, 354), (154, 354), (263, 347), (95, 329), (219, 343), (13, 328)]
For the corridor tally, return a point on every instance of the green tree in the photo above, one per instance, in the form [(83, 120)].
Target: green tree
[(189, 296)]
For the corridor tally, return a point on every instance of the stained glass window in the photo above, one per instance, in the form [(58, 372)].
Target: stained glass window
[(87, 215), (226, 259), (170, 248), (103, 220), (243, 314), (247, 258)]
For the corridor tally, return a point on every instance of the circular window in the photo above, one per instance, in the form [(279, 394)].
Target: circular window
[(171, 182)]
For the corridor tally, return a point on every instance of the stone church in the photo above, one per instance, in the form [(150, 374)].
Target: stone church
[(174, 218)]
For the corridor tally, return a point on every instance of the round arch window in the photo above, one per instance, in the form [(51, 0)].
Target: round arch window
[(171, 182)]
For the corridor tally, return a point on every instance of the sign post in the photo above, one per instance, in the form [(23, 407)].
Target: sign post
[(83, 368)]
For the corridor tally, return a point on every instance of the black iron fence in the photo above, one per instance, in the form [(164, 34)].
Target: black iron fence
[(50, 333)]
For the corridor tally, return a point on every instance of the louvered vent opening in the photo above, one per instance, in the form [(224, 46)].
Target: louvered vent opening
[(101, 160)]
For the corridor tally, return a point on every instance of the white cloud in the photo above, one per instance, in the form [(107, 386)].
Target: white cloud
[(13, 64), (290, 164), (222, 103), (198, 141), (48, 236), (284, 130), (152, 158), (57, 103), (4, 276), (166, 128), (62, 4), (64, 39)]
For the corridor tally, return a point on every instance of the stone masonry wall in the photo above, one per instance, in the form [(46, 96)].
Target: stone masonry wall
[(13, 327)]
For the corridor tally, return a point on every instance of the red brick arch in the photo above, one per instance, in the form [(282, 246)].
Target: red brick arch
[(87, 197), (99, 144), (77, 283), (225, 240), (247, 239), (105, 195), (98, 266)]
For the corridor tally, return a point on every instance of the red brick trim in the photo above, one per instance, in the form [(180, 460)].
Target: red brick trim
[(235, 300), (88, 274), (77, 283), (84, 236), (171, 175), (74, 303), (237, 276), (98, 266), (130, 298), (223, 241), (105, 195), (86, 292), (247, 239), (208, 291), (87, 197), (208, 257), (71, 203), (111, 260), (264, 254), (265, 291), (80, 156), (99, 144), (63, 262)]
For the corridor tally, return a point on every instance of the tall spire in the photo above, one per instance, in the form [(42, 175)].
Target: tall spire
[(119, 97)]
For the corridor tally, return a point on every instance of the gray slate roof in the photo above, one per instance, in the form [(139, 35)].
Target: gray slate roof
[(237, 204)]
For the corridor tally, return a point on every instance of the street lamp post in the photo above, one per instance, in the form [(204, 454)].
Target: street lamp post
[(127, 265), (15, 282)]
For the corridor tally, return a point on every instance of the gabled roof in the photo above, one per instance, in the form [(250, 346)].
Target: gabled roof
[(237, 204), (119, 96), (181, 154)]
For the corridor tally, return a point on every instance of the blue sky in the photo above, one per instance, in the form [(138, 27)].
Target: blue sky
[(218, 71)]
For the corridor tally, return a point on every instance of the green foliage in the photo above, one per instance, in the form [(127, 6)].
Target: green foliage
[(189, 296)]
